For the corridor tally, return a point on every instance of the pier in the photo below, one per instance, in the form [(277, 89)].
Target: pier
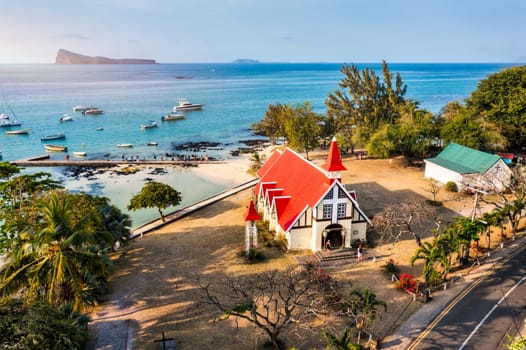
[(46, 161)]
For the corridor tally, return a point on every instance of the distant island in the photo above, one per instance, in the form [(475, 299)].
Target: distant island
[(68, 57), (245, 60)]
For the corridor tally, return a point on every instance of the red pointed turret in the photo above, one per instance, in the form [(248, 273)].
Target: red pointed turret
[(334, 162), (251, 214)]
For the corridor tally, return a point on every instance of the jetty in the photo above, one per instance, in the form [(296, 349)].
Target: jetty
[(46, 161)]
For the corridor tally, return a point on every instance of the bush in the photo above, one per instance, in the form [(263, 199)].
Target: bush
[(39, 326), (392, 268), (254, 255), (281, 243), (451, 186), (407, 282)]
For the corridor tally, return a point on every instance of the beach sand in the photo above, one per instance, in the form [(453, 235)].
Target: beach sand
[(153, 287)]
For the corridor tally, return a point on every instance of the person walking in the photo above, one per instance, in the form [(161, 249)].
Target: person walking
[(359, 252)]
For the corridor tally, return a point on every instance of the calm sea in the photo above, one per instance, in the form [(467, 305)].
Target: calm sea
[(235, 96)]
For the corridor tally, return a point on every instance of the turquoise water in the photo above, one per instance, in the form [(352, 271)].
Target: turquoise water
[(235, 96)]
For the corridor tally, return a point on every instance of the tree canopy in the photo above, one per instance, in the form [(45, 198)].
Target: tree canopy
[(155, 195)]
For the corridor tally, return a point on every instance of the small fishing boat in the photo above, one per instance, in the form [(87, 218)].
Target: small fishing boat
[(125, 145), (17, 132), (184, 105), (152, 143), (58, 136), (79, 154), (149, 124), (81, 108), (55, 148), (172, 117), (66, 118), (99, 129), (93, 111)]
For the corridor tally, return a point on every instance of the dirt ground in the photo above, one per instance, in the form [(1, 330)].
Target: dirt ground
[(153, 288)]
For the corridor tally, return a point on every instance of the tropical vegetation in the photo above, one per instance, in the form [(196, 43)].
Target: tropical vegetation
[(155, 195)]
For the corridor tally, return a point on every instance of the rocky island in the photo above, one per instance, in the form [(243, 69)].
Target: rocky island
[(68, 57)]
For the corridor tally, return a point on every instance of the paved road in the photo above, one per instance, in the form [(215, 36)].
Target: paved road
[(481, 316)]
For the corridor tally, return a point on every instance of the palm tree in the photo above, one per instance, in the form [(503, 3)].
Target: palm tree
[(467, 231), (343, 343), (55, 258), (433, 255), (366, 306)]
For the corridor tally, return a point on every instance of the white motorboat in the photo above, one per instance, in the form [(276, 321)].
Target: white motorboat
[(79, 154), (125, 145), (149, 124), (66, 118), (152, 143), (81, 108), (6, 122), (184, 105)]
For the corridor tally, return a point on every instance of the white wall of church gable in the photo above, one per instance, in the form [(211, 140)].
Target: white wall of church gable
[(299, 238), (357, 231)]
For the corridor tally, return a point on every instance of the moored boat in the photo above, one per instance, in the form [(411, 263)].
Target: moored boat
[(79, 154), (66, 118), (184, 105), (55, 148), (93, 111), (18, 132), (58, 136), (152, 143), (82, 108), (149, 124), (125, 145), (172, 117), (6, 121)]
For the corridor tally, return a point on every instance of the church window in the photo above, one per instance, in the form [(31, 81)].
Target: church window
[(329, 195), (342, 210), (327, 211)]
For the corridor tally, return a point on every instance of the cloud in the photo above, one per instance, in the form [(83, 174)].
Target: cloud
[(74, 36)]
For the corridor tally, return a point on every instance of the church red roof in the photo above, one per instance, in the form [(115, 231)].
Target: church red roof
[(334, 161), (303, 184), (251, 214)]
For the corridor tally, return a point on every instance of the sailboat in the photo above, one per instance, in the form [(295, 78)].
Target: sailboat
[(5, 119)]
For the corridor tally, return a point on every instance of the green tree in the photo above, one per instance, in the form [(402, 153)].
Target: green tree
[(7, 170), (460, 125), (273, 123), (434, 256), (155, 195), (341, 343), (364, 102), (467, 230), (366, 307), (501, 97), (39, 326), (303, 128), (56, 258)]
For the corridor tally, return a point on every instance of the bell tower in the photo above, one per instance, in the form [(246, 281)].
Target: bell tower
[(334, 165)]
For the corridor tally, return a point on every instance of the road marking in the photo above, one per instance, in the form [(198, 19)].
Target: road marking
[(490, 312), (460, 296)]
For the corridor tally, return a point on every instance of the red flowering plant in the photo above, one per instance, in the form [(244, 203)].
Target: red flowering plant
[(407, 282)]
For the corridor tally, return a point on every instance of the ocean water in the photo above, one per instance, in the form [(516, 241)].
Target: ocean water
[(235, 96)]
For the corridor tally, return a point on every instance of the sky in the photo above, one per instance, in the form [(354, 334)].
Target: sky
[(185, 31)]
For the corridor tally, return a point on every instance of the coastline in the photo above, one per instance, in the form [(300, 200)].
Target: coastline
[(119, 183)]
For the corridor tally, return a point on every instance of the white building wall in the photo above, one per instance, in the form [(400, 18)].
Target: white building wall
[(442, 174), (299, 238)]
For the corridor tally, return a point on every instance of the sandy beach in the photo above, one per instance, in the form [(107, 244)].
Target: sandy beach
[(153, 287)]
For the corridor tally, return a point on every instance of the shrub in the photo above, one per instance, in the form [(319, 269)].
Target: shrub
[(451, 186), (254, 254), (407, 282), (281, 243), (392, 268)]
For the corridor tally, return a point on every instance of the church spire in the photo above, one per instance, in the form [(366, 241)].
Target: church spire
[(334, 165)]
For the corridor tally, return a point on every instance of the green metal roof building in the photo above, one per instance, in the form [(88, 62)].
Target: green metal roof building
[(468, 167)]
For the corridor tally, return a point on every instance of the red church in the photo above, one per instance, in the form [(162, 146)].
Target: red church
[(307, 204)]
